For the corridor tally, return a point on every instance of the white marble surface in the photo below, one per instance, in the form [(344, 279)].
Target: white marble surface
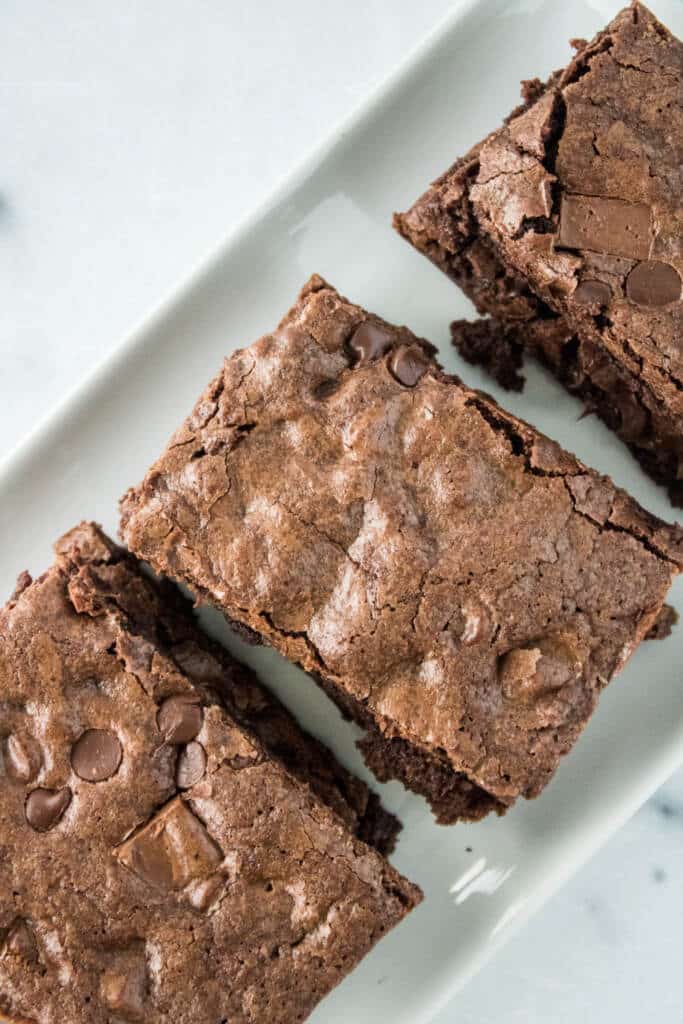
[(133, 136)]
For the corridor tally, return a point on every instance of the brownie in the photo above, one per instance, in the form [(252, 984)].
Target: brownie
[(173, 847), (566, 227), (461, 586)]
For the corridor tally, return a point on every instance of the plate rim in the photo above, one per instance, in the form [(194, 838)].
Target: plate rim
[(135, 338)]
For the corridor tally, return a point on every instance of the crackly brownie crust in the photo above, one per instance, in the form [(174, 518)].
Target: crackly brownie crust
[(565, 225), (459, 584), (158, 859)]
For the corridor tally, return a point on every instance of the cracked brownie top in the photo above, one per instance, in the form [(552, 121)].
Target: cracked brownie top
[(577, 201), (458, 575), (157, 861)]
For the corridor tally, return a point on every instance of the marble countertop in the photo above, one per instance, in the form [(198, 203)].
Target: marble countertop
[(134, 135)]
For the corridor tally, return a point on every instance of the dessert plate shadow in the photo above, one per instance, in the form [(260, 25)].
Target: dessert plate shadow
[(333, 216)]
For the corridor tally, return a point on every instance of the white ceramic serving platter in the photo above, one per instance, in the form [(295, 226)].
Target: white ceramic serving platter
[(333, 216)]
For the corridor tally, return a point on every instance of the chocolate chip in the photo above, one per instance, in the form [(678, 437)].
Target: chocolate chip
[(408, 364), (592, 293), (180, 718), (44, 807), (191, 765), (369, 342), (653, 284), (21, 942), (22, 758), (96, 756)]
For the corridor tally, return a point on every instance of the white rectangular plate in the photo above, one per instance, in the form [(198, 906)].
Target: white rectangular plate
[(333, 216)]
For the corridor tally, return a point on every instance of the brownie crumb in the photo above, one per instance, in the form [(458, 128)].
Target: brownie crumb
[(484, 343), (664, 624)]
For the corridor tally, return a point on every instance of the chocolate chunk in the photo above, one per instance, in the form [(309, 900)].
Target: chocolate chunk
[(21, 942), (96, 756), (605, 225), (22, 758), (408, 365), (191, 765), (172, 849), (369, 342), (44, 807), (180, 718), (150, 861), (653, 284), (593, 293)]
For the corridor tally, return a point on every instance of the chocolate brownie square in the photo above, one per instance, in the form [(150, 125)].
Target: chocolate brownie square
[(458, 583), (566, 227), (173, 847)]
